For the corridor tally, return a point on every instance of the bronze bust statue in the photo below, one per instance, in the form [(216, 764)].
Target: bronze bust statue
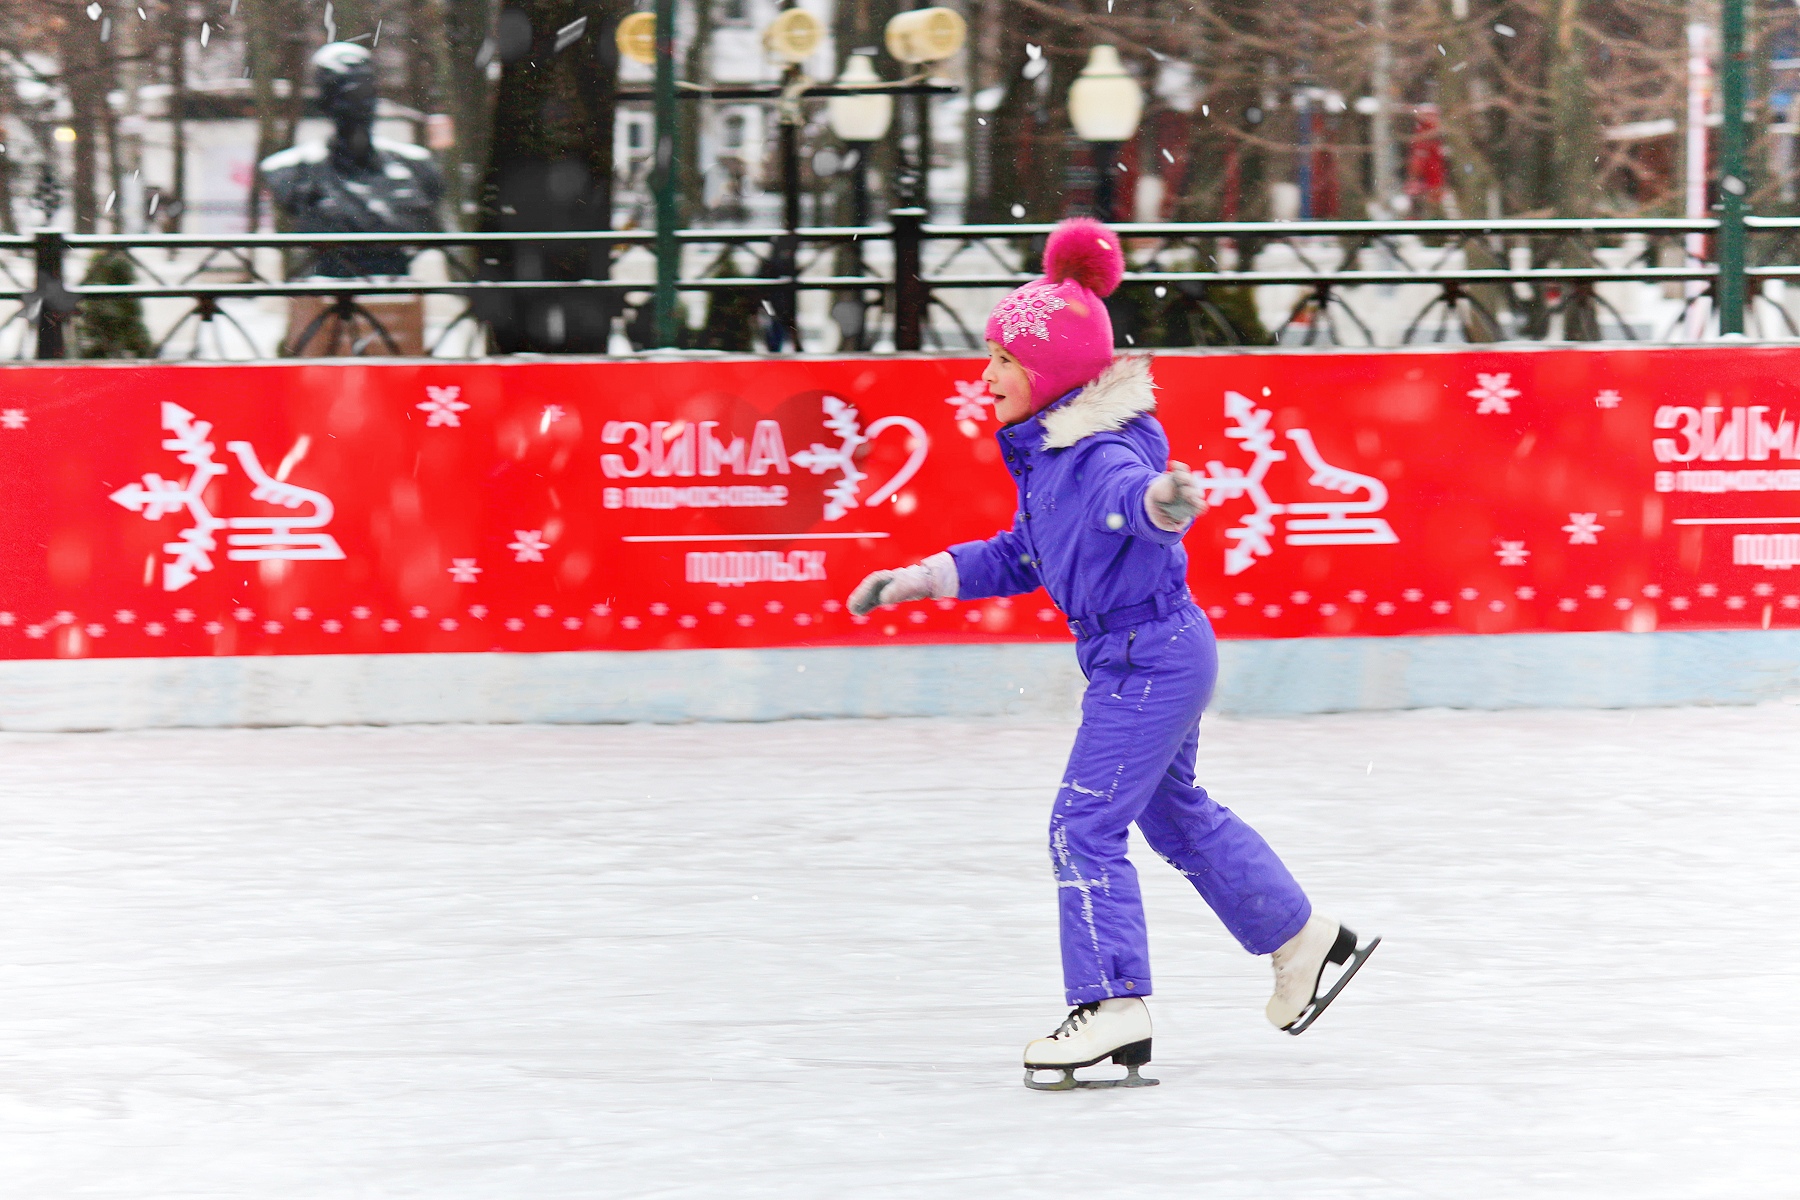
[(355, 182)]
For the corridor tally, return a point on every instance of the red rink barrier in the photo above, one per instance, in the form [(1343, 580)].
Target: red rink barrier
[(530, 506)]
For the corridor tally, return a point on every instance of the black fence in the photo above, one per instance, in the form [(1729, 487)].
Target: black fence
[(904, 285)]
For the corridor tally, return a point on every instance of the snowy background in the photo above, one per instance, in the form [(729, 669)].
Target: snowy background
[(801, 959)]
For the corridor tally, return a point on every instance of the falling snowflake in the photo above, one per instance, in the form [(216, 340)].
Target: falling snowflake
[(1608, 399), (1512, 554), (971, 400), (463, 570), (443, 406), (1028, 310), (530, 546), (1583, 529), (13, 418), (1493, 392)]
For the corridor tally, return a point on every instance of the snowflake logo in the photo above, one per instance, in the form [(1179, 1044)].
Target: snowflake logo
[(1493, 392), (443, 405), (971, 400), (1583, 529), (286, 538), (1028, 310), (1310, 523), (1512, 554), (530, 547), (463, 570), (1608, 399), (13, 418)]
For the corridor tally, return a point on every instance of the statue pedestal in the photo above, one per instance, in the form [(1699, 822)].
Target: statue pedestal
[(333, 336)]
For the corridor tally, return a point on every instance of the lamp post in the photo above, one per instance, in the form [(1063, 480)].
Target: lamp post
[(859, 122), (1105, 103)]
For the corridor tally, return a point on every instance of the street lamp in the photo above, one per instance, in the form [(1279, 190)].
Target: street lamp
[(858, 121), (1105, 103), (922, 37)]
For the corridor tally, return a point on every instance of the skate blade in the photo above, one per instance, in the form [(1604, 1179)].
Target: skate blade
[(1318, 1006), (1068, 1082)]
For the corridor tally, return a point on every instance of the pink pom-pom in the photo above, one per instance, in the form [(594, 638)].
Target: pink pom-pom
[(1086, 251)]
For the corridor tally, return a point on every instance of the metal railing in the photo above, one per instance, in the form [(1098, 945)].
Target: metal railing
[(910, 284)]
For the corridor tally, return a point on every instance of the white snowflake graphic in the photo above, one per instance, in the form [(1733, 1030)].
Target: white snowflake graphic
[(1469, 593), (13, 418), (448, 624), (124, 616), (1496, 606), (478, 611), (1493, 392), (1512, 554), (1386, 608), (419, 612), (1583, 529), (1526, 593), (514, 624), (1412, 595), (1596, 591), (842, 419), (552, 414), (290, 539), (390, 625), (1311, 523), (463, 570), (1608, 399), (443, 405), (1440, 607), (1028, 310), (971, 400), (34, 631), (529, 547), (6, 619), (332, 625), (1680, 603), (1653, 590), (155, 628)]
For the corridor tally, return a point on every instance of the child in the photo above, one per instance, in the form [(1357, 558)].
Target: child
[(1099, 525)]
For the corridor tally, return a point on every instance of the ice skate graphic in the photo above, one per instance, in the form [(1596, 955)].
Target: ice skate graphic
[(1311, 522), (291, 538), (843, 420)]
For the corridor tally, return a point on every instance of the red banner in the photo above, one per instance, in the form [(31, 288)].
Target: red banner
[(335, 508)]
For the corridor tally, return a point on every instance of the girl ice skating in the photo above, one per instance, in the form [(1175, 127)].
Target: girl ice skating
[(1099, 526)]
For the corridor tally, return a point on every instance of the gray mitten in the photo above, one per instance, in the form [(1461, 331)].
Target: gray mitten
[(931, 579), (1174, 498)]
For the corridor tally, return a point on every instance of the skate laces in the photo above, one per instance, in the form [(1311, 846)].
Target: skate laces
[(1075, 1020)]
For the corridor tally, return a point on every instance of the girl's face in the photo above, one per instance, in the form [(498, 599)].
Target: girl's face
[(1008, 384)]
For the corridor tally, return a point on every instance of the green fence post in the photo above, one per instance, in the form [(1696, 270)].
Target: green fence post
[(668, 250), (1734, 182)]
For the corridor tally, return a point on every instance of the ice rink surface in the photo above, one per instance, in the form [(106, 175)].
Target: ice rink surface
[(802, 959)]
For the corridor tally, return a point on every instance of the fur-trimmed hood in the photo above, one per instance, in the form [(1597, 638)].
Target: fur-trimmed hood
[(1123, 391)]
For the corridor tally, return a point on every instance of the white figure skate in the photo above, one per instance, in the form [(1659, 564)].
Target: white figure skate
[(1118, 1029), (1300, 969)]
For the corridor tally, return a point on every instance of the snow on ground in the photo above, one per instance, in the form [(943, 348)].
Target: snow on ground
[(801, 960)]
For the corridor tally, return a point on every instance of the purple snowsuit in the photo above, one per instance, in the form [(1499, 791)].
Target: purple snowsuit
[(1082, 466)]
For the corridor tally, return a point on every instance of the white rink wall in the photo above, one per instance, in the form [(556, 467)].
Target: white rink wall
[(1257, 678)]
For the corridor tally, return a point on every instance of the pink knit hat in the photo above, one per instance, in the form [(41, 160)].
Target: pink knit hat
[(1057, 326)]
